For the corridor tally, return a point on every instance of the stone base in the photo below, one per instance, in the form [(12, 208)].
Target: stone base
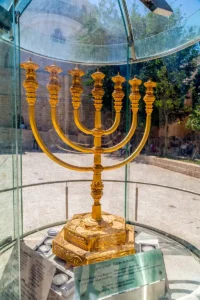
[(84, 241)]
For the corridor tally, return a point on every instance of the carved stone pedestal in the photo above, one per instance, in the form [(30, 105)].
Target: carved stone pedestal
[(84, 241)]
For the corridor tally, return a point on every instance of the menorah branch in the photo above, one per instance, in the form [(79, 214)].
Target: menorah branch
[(78, 123), (62, 135), (54, 87), (45, 149), (138, 149), (126, 139), (76, 91), (118, 96), (134, 97), (114, 126)]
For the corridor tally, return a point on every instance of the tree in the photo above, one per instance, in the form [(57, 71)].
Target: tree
[(193, 121), (169, 98), (103, 25), (196, 85), (172, 73), (148, 24)]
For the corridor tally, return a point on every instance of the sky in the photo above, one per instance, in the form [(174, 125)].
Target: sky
[(188, 7)]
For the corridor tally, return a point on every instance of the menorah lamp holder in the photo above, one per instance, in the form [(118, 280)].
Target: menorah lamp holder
[(97, 236)]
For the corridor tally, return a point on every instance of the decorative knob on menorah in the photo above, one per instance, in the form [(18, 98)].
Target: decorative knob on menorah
[(118, 93), (53, 86), (149, 98), (95, 236), (76, 88), (30, 84), (135, 94)]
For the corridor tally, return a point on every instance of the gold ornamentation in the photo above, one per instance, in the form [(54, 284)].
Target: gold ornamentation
[(118, 93), (98, 91), (53, 86), (76, 88), (91, 235), (88, 247), (149, 98), (30, 84), (135, 95), (96, 236), (97, 190)]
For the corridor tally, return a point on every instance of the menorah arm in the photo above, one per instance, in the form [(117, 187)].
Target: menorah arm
[(45, 149), (79, 124), (138, 149), (126, 139), (62, 135), (114, 126)]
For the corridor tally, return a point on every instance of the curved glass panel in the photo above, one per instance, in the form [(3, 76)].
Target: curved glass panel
[(93, 31), (145, 23), (82, 31), (169, 41), (72, 51), (6, 4), (10, 161)]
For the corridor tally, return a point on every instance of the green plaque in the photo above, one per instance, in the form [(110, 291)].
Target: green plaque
[(118, 275)]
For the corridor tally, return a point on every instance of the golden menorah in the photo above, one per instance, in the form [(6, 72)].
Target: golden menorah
[(95, 236)]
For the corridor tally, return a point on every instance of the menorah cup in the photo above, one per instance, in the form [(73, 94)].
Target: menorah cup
[(95, 236)]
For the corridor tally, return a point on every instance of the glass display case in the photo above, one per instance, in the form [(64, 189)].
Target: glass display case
[(10, 136), (97, 102)]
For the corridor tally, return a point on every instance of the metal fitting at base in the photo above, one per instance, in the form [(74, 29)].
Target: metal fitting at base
[(96, 212)]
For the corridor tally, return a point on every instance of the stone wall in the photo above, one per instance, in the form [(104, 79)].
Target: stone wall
[(50, 138), (173, 165)]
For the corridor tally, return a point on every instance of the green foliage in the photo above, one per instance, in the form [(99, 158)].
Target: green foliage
[(169, 94), (196, 87), (145, 25), (193, 121), (172, 73), (103, 25)]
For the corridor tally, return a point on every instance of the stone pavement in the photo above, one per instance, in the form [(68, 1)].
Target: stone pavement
[(172, 211)]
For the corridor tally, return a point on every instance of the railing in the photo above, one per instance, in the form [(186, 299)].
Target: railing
[(106, 180), (55, 203)]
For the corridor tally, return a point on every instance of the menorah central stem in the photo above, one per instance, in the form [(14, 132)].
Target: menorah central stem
[(98, 119), (97, 184), (97, 188)]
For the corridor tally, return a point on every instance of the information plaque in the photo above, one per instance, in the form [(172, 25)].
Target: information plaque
[(36, 274), (118, 275)]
